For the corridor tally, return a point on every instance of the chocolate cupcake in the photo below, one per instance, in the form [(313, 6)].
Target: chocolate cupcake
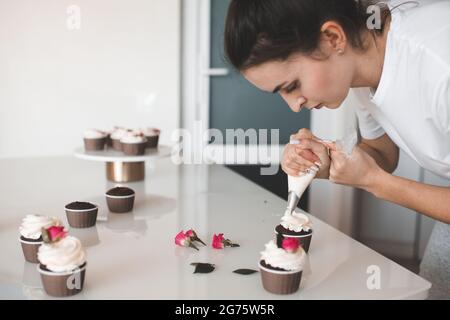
[(120, 199), (31, 234), (133, 144), (296, 225), (62, 264), (81, 214), (117, 134), (281, 267), (108, 139), (94, 140), (152, 136)]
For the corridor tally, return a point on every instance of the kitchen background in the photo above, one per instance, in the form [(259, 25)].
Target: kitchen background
[(70, 65)]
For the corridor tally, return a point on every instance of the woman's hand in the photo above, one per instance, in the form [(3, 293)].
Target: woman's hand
[(297, 158), (357, 170)]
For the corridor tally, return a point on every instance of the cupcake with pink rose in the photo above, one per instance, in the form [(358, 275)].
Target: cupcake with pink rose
[(62, 263), (152, 136), (31, 234), (281, 267), (94, 139), (295, 225)]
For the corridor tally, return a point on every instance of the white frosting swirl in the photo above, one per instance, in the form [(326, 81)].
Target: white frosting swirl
[(132, 138), (94, 134), (296, 222), (280, 258), (32, 225), (118, 133), (150, 132), (64, 255)]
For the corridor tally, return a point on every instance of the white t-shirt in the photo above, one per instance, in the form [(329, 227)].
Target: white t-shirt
[(412, 101)]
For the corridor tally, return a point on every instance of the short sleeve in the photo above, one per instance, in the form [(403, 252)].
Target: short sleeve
[(369, 128)]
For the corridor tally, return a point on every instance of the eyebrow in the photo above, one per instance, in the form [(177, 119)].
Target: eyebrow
[(278, 87)]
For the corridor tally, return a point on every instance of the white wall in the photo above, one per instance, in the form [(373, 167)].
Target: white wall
[(338, 208), (120, 68)]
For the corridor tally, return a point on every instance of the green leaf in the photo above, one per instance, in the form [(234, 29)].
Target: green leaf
[(245, 271), (201, 267)]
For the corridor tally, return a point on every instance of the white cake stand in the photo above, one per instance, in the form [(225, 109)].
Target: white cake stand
[(120, 167)]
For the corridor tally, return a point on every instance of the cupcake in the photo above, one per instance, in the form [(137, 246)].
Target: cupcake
[(295, 225), (94, 140), (62, 263), (31, 234), (81, 214), (117, 134), (120, 199), (281, 267), (152, 136), (108, 138), (133, 144)]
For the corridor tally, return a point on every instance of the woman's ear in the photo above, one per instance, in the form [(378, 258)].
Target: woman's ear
[(333, 37)]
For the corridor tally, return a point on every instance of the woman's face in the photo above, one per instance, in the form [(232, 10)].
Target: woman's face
[(306, 82)]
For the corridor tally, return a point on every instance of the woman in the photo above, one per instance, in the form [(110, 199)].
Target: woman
[(398, 62)]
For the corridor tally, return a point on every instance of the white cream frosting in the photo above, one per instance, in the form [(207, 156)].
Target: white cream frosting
[(132, 138), (280, 258), (94, 134), (119, 133), (296, 221), (150, 132), (64, 255), (32, 225), (300, 183)]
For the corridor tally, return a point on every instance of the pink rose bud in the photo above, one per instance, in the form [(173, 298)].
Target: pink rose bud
[(183, 240), (290, 244), (53, 234), (218, 241), (193, 236)]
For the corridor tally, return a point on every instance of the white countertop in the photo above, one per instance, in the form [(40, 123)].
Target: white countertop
[(133, 256)]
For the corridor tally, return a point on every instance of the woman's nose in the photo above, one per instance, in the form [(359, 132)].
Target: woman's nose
[(295, 103)]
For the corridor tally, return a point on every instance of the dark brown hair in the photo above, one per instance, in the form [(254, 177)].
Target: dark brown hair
[(258, 31)]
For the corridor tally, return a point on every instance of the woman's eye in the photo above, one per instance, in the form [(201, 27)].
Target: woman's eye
[(291, 88)]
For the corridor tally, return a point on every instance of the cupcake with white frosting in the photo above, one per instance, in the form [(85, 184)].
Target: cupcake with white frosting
[(31, 234), (94, 139), (133, 144), (117, 134), (295, 225), (152, 136), (281, 267), (62, 263)]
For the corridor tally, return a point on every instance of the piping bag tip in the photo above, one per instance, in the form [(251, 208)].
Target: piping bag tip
[(292, 202)]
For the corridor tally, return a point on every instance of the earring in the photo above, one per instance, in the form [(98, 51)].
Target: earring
[(340, 51)]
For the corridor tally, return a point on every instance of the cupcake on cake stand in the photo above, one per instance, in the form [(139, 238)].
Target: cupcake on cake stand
[(121, 167)]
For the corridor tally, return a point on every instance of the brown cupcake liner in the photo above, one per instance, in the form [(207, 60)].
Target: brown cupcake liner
[(304, 240), (30, 250), (116, 144), (109, 141), (133, 149), (82, 218), (280, 282), (120, 204), (152, 141), (94, 144), (63, 284)]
